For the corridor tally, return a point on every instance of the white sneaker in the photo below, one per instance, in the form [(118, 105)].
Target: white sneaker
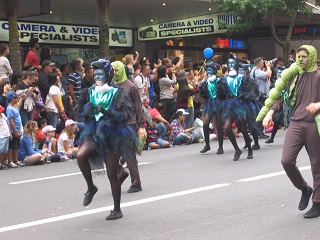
[(20, 164), (12, 165)]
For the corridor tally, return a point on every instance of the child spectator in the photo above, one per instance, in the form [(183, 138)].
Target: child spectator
[(40, 137), (28, 152), (4, 137), (15, 126), (51, 144), (66, 147), (153, 138), (181, 135)]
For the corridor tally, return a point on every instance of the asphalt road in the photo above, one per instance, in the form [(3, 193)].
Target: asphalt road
[(186, 195)]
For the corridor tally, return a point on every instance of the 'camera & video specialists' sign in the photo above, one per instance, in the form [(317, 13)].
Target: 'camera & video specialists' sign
[(66, 34), (203, 25)]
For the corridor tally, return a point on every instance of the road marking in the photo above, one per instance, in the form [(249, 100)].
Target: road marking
[(61, 176), (137, 202), (269, 175), (104, 209)]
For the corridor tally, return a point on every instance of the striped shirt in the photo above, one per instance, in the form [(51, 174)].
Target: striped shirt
[(74, 79)]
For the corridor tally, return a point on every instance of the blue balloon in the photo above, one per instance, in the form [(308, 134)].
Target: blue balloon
[(208, 52)]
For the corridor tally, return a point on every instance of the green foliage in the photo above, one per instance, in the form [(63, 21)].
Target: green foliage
[(251, 12)]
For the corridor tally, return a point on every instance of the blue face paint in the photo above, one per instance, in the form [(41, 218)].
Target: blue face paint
[(209, 71), (99, 77), (232, 64)]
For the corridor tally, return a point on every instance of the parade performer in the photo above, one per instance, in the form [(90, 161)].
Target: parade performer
[(239, 107), (302, 80), (212, 107), (107, 136)]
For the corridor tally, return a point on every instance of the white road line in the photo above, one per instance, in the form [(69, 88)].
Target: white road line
[(137, 202), (269, 175), (104, 209), (61, 176)]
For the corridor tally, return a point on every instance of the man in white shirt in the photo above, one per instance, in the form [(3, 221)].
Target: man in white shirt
[(142, 81)]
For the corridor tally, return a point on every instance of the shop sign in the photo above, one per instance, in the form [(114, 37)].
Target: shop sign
[(203, 25), (229, 43), (66, 34)]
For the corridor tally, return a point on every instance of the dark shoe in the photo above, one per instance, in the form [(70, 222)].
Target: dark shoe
[(123, 177), (205, 149), (255, 147), (269, 140), (246, 146), (89, 195), (250, 155), (114, 215), (220, 151), (237, 155), (313, 212), (263, 136), (133, 189), (305, 197)]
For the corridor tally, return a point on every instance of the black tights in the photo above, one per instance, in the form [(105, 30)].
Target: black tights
[(206, 129), (111, 162), (230, 134)]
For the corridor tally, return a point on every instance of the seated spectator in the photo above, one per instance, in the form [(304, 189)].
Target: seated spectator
[(28, 153), (198, 127), (51, 144), (40, 137), (66, 147), (181, 135), (154, 140), (163, 126), (4, 137)]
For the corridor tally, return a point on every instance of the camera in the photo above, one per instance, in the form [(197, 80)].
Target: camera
[(273, 61), (35, 91), (147, 33)]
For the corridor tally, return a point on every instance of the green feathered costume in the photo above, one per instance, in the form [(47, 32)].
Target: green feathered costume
[(292, 72)]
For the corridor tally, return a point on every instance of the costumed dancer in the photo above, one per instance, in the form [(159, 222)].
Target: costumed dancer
[(238, 106), (302, 80), (107, 136), (213, 106)]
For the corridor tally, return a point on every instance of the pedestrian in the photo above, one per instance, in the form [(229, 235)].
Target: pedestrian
[(5, 67), (4, 137), (303, 104)]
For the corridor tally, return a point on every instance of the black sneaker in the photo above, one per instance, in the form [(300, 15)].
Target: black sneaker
[(263, 136), (220, 151), (313, 212), (205, 149), (255, 147), (133, 189), (89, 196), (305, 197), (114, 215), (269, 140), (237, 155)]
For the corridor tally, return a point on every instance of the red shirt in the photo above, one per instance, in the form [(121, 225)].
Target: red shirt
[(154, 113), (33, 58), (40, 136)]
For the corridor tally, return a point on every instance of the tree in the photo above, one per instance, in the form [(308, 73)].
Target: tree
[(251, 12), (9, 9), (103, 27)]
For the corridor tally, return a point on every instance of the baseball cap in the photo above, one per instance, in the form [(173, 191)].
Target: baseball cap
[(182, 111), (1, 109), (11, 95), (70, 122), (47, 63), (47, 129)]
